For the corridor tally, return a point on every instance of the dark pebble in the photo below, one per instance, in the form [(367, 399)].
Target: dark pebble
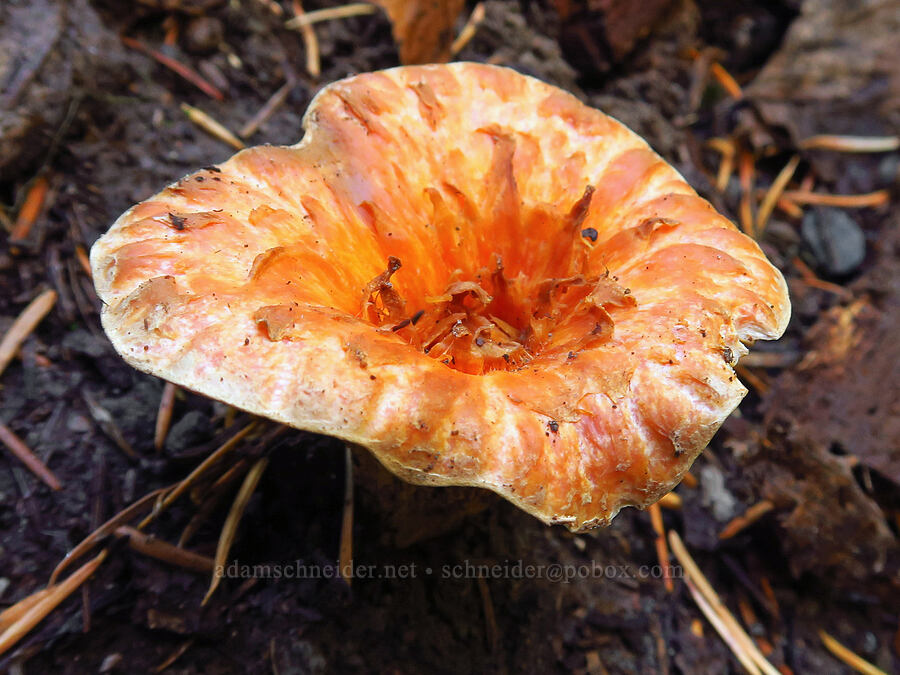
[(203, 35), (836, 242)]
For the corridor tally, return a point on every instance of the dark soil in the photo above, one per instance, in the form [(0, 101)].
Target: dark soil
[(818, 435)]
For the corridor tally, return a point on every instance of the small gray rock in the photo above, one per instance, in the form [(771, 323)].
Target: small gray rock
[(836, 242)]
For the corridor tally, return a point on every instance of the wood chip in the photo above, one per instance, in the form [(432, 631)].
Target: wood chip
[(23, 326)]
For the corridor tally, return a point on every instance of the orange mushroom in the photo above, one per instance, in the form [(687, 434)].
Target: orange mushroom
[(466, 271)]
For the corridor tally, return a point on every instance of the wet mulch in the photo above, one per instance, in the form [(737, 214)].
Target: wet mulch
[(817, 439)]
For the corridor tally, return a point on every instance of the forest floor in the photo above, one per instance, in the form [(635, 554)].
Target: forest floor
[(91, 123)]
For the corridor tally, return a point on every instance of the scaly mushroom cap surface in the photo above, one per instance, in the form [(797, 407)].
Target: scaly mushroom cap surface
[(465, 270)]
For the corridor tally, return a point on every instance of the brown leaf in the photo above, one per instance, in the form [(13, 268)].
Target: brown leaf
[(423, 29)]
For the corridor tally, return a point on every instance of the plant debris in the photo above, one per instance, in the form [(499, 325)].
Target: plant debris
[(812, 580)]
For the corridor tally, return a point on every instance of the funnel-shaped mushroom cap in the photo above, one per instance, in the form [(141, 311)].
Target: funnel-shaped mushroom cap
[(466, 271)]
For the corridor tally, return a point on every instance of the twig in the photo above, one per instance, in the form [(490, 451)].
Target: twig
[(757, 381), (175, 655), (16, 623), (877, 198), (490, 617), (108, 423), (229, 529), (722, 629), (851, 143), (769, 592), (106, 528), (170, 24), (858, 664), (725, 147), (5, 220), (17, 447), (662, 551), (778, 185), (212, 499), (31, 209), (164, 415), (724, 78), (273, 7), (810, 279), (84, 260), (725, 617), (726, 168), (789, 207), (770, 359), (744, 578), (180, 69), (749, 517), (193, 476), (699, 79), (469, 30), (264, 113), (310, 43), (330, 13), (161, 550), (671, 501), (345, 556), (22, 327), (747, 175), (211, 126)]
